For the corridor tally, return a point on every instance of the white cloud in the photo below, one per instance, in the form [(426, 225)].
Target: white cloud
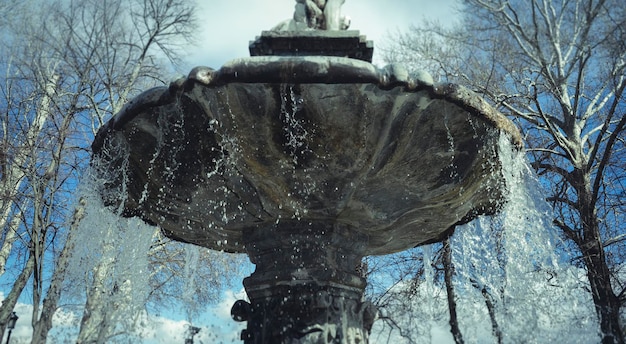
[(64, 324), (222, 309), (163, 330), (216, 325), (227, 26)]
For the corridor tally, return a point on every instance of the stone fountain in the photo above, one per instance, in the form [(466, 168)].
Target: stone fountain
[(306, 157)]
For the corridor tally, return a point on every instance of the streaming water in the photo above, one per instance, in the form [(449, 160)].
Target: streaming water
[(293, 128), (429, 289), (509, 263), (296, 135), (113, 269), (109, 267), (192, 258), (512, 259)]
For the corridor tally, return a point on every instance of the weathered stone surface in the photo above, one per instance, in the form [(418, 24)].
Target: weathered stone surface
[(306, 287), (313, 43), (393, 158)]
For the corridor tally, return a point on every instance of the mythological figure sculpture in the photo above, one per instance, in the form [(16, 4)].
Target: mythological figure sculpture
[(319, 15)]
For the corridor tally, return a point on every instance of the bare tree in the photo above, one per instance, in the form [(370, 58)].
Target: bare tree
[(559, 68), (33, 171), (63, 75), (109, 51)]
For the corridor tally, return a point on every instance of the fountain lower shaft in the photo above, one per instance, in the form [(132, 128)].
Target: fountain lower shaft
[(307, 286)]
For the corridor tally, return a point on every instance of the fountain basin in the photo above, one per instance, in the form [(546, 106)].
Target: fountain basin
[(309, 139)]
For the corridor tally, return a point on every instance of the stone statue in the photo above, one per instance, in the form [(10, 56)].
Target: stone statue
[(316, 15)]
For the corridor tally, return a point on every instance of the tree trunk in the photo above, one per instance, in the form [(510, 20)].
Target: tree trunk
[(491, 309), (44, 324), (8, 304), (95, 324), (9, 239), (448, 273), (495, 329), (607, 304)]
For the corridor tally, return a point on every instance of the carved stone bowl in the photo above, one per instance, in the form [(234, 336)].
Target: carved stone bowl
[(265, 140)]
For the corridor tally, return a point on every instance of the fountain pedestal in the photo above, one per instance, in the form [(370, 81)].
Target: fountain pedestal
[(307, 286)]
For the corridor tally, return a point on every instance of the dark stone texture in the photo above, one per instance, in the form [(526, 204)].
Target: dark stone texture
[(313, 43), (306, 287), (398, 160)]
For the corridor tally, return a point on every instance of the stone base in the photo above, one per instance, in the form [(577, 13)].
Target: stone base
[(307, 287), (306, 313), (313, 43)]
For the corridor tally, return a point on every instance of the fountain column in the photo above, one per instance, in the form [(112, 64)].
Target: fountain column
[(307, 286)]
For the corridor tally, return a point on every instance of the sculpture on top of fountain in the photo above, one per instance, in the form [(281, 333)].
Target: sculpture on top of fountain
[(316, 15)]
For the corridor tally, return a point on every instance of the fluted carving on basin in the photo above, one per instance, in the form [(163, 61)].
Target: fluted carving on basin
[(398, 159)]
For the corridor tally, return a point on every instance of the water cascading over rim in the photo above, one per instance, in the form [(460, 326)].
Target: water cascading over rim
[(306, 157)]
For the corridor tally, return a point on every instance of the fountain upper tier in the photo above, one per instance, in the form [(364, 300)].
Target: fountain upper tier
[(271, 141)]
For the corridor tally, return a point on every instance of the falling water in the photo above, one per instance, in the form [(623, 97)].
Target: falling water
[(109, 266), (429, 286), (296, 135), (512, 259), (192, 258), (110, 270), (509, 261), (294, 130)]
